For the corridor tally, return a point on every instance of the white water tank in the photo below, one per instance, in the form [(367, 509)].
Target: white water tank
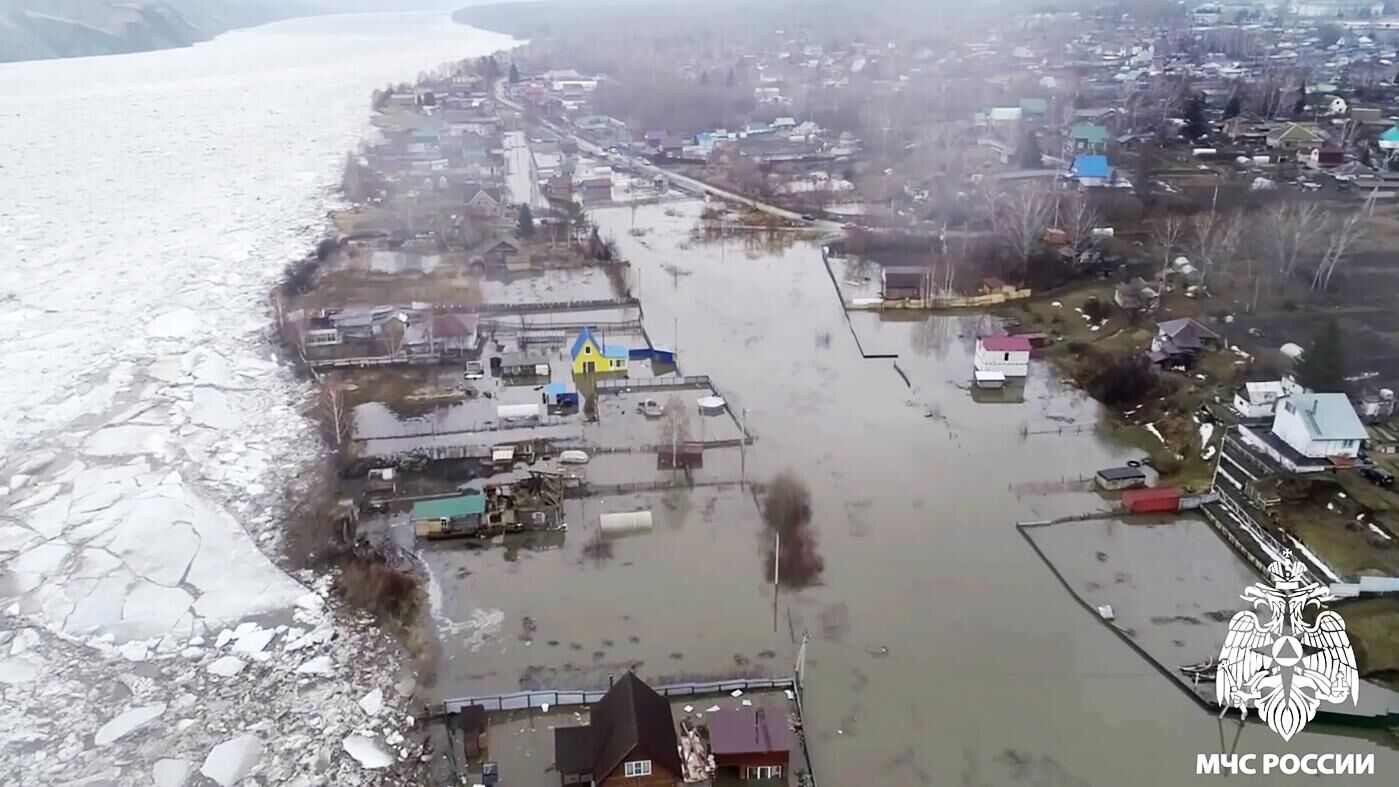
[(625, 523)]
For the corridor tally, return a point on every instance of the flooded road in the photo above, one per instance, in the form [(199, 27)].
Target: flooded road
[(943, 651)]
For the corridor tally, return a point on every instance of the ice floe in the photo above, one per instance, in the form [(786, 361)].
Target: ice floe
[(127, 722)]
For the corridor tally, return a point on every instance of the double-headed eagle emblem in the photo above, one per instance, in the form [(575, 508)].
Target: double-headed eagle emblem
[(1286, 666)]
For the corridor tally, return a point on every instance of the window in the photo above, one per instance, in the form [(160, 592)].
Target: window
[(1288, 407), (587, 349), (762, 772), (637, 768), (1005, 357)]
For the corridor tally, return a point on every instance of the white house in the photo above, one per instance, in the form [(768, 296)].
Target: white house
[(1009, 355), (1256, 401), (1319, 425)]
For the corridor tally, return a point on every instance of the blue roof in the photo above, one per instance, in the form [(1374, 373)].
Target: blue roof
[(1091, 167), (1329, 416), (555, 389), (1034, 106), (615, 351), (1088, 132), (585, 336), (1392, 135)]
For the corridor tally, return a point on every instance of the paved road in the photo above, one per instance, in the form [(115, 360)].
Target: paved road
[(519, 171), (682, 181)]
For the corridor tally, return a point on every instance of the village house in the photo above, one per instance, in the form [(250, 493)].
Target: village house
[(1295, 136), (1008, 355), (1136, 296), (1088, 138), (1256, 401), (484, 202), (1319, 426), (593, 357), (1091, 171), (1179, 342), (494, 254), (629, 740), (753, 743)]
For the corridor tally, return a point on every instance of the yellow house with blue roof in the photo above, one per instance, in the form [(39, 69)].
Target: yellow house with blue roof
[(593, 357)]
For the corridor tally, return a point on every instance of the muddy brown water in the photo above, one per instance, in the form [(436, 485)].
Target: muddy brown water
[(943, 651)]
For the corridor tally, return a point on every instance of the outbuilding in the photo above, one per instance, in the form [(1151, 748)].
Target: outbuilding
[(1112, 479), (900, 282), (1009, 355), (1160, 499)]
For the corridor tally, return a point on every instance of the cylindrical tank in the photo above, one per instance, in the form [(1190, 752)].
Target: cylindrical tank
[(625, 523)]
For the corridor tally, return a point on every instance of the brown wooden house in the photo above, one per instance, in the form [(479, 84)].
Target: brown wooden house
[(753, 741), (630, 740)]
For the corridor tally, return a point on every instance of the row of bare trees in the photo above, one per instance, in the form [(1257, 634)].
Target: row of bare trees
[(1280, 240)]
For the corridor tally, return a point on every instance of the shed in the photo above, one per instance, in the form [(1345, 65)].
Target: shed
[(904, 281), (561, 395), (754, 740), (573, 754), (1154, 500), (688, 454), (517, 412), (524, 365), (1009, 355), (450, 508), (1116, 478), (472, 720)]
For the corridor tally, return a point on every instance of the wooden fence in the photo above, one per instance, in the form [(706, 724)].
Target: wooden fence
[(653, 384)]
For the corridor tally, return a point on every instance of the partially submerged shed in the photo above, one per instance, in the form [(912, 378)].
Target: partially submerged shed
[(1113, 479)]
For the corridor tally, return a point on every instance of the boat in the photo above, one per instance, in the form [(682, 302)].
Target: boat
[(573, 457)]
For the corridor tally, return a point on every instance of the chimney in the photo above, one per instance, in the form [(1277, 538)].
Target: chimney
[(611, 678)]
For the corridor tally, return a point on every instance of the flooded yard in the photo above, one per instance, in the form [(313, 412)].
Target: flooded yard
[(943, 650)]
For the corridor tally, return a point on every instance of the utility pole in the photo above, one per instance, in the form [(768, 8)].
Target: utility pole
[(743, 448), (776, 568)]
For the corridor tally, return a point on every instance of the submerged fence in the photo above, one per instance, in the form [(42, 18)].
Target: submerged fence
[(558, 698)]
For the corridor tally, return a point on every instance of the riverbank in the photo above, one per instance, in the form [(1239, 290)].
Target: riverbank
[(152, 437)]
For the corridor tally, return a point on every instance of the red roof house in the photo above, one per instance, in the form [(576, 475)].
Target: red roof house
[(753, 740)]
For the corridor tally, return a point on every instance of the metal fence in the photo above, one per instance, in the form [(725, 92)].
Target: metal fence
[(653, 383), (521, 700)]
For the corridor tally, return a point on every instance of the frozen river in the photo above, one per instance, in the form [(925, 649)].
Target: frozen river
[(149, 204)]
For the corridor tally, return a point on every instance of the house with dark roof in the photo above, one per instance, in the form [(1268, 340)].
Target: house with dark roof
[(629, 740), (1179, 342)]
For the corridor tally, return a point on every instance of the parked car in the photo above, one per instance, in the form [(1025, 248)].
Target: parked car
[(651, 408), (1378, 477), (475, 370)]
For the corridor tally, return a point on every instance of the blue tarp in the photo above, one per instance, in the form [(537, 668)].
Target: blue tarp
[(615, 351)]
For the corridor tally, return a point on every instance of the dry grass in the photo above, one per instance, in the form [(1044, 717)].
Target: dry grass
[(1374, 629)]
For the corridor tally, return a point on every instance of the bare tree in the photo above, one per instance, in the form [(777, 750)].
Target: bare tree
[(333, 408), (1078, 220), (1214, 240), (394, 332), (675, 428), (1292, 229), (1342, 235), (1166, 236), (1024, 215)]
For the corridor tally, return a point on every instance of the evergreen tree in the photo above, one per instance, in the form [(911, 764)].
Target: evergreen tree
[(514, 74), (525, 223), (1322, 367), (1030, 155), (1301, 105), (1195, 124), (1233, 108), (704, 77), (731, 80)]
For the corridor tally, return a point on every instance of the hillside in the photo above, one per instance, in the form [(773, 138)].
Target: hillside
[(37, 29)]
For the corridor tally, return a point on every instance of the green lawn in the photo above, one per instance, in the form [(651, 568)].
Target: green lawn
[(1373, 624)]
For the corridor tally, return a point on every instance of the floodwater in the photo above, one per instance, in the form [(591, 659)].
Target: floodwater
[(943, 650)]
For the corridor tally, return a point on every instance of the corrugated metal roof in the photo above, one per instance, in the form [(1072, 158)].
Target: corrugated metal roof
[(450, 507), (1006, 343), (1329, 416)]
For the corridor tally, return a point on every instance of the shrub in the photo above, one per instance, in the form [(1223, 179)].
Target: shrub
[(1119, 381), (1096, 309), (380, 589)]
